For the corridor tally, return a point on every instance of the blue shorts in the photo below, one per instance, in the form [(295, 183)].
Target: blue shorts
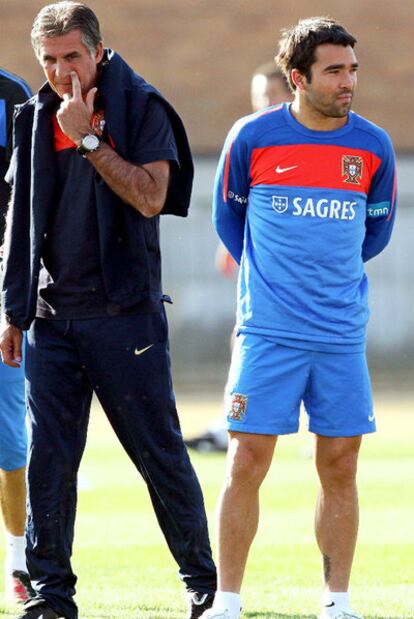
[(268, 381), (13, 435)]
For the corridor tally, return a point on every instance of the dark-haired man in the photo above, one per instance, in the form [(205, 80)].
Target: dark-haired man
[(305, 194), (98, 155)]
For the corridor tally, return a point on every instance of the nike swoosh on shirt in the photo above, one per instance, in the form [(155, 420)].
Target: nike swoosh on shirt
[(142, 350), (280, 170)]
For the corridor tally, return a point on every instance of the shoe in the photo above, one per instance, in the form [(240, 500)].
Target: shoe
[(18, 587), (339, 614), (198, 603), (208, 442), (41, 611)]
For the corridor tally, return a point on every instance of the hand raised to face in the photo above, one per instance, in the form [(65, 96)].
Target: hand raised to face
[(75, 113)]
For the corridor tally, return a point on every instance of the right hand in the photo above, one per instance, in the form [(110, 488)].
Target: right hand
[(74, 114), (11, 346)]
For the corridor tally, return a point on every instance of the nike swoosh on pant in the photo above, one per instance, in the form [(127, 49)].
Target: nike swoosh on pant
[(142, 350)]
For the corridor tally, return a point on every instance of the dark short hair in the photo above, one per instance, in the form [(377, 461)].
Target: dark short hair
[(54, 20), (298, 44), (271, 71)]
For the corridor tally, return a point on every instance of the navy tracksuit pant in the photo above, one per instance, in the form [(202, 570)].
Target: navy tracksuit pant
[(125, 360)]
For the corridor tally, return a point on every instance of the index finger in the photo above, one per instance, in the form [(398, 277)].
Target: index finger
[(76, 86)]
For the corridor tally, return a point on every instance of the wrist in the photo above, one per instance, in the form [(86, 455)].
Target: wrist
[(6, 325), (6, 320), (81, 133)]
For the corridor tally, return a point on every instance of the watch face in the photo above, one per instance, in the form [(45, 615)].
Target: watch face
[(90, 142)]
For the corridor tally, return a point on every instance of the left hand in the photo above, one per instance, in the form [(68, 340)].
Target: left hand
[(74, 114)]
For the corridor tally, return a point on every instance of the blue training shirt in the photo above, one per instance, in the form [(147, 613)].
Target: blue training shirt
[(301, 211)]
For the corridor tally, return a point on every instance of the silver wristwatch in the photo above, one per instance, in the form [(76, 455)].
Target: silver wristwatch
[(90, 143)]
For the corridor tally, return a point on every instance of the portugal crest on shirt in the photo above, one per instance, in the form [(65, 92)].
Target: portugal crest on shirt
[(352, 169), (238, 407)]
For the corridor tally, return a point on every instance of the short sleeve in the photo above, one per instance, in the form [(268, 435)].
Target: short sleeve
[(155, 137)]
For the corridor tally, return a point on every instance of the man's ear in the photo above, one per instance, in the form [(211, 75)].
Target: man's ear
[(99, 52), (298, 79)]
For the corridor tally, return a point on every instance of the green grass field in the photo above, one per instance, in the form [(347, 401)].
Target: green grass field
[(125, 570)]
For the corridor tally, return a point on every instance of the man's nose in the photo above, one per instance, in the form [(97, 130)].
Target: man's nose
[(62, 70), (348, 80)]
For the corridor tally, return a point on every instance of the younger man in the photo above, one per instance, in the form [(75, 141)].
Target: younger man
[(305, 194)]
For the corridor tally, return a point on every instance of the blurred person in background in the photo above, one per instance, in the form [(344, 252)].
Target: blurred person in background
[(13, 435), (268, 87), (98, 155), (304, 195)]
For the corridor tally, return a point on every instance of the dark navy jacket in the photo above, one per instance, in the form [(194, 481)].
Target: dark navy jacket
[(129, 243)]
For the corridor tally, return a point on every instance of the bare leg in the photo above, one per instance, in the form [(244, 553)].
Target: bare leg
[(248, 460), (336, 521), (13, 508), (13, 500)]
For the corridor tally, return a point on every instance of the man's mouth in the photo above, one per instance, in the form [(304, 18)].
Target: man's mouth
[(345, 97)]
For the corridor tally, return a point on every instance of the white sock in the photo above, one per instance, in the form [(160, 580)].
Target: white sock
[(228, 600), (15, 553), (336, 599)]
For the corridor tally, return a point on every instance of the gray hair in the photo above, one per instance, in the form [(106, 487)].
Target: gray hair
[(54, 20)]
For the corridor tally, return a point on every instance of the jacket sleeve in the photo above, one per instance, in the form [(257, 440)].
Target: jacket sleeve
[(17, 266), (231, 191), (381, 205)]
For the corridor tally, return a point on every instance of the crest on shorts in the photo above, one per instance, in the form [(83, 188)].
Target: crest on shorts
[(238, 407), (352, 167)]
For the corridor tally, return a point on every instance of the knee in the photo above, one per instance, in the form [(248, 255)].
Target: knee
[(245, 466), (339, 468)]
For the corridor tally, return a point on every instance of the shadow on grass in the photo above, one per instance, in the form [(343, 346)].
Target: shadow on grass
[(272, 615), (150, 612)]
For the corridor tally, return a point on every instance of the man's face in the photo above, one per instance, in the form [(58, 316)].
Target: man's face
[(267, 91), (333, 80), (59, 56)]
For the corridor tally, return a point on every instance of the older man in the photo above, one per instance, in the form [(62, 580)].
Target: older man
[(99, 154)]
